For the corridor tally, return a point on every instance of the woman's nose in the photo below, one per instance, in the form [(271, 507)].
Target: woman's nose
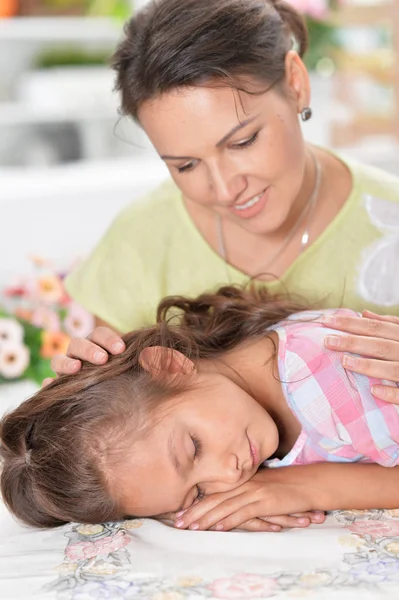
[(227, 186)]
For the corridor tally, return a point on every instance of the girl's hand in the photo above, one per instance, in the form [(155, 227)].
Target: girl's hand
[(376, 337), (271, 524), (94, 349), (255, 506)]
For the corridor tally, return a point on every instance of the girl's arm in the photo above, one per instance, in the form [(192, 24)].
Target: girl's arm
[(288, 490), (376, 339)]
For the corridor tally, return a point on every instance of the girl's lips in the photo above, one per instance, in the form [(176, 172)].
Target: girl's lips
[(254, 453), (252, 211)]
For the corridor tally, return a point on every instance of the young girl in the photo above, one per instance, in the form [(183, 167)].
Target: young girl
[(220, 386)]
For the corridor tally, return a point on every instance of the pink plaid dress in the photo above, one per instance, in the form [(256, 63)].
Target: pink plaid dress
[(341, 420)]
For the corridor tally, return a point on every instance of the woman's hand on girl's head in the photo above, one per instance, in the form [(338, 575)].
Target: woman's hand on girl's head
[(94, 349), (253, 506), (375, 337)]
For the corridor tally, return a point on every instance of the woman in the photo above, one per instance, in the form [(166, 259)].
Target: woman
[(218, 88)]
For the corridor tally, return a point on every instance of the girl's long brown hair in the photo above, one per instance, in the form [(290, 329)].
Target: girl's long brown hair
[(59, 448)]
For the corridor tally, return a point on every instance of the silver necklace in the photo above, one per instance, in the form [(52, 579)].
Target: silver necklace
[(306, 212)]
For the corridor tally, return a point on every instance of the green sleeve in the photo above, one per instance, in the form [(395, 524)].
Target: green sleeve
[(110, 283)]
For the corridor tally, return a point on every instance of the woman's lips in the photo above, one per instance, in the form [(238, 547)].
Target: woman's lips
[(251, 211)]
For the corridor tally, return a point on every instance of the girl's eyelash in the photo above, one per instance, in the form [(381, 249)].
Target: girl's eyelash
[(197, 446), (201, 493), (248, 142)]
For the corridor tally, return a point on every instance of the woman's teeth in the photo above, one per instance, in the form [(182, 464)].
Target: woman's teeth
[(250, 203)]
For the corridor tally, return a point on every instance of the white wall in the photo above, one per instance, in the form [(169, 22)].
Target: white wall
[(60, 213)]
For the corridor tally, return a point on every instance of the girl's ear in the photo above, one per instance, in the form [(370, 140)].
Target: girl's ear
[(157, 359)]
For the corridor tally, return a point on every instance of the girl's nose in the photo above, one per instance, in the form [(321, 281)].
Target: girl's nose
[(226, 471)]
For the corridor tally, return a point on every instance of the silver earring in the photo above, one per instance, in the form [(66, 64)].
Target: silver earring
[(306, 113)]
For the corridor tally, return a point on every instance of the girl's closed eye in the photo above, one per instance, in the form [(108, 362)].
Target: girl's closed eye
[(197, 454), (197, 447)]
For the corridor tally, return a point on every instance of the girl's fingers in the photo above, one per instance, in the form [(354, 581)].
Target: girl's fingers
[(376, 328), (316, 516), (207, 514), (47, 381), (207, 506), (233, 520), (259, 525), (287, 521), (373, 347)]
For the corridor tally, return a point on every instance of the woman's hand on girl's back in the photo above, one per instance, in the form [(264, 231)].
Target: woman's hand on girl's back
[(94, 349), (376, 339), (253, 506)]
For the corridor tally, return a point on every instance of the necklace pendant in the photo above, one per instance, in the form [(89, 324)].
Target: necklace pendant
[(305, 239)]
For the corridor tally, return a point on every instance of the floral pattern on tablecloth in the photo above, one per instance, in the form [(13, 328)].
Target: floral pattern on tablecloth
[(97, 565)]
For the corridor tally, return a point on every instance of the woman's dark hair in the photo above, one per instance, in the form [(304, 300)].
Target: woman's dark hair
[(176, 43), (60, 448)]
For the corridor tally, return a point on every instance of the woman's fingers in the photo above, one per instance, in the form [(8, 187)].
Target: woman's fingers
[(87, 350), (388, 318), (93, 349), (373, 347), (372, 328), (108, 339), (387, 393), (373, 337), (62, 365)]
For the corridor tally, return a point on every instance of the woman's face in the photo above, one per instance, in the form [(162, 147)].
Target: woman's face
[(237, 154), (212, 439)]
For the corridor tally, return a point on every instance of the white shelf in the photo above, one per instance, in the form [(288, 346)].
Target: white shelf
[(16, 113), (62, 29)]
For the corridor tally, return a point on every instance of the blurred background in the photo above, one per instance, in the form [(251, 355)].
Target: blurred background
[(68, 162), (64, 150)]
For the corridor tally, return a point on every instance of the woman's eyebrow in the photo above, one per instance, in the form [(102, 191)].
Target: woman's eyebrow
[(219, 143), (235, 129)]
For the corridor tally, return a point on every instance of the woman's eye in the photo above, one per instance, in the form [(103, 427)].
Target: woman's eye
[(246, 143), (187, 167), (197, 446)]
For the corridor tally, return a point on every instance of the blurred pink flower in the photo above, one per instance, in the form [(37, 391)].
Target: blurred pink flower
[(14, 360), (50, 289), (316, 9), (15, 291), (78, 322), (376, 528), (85, 550), (246, 585), (10, 331), (44, 318)]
